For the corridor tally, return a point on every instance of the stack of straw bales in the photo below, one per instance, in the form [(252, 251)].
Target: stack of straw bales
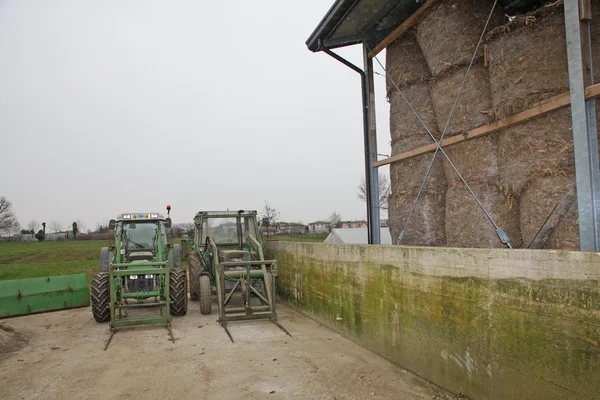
[(528, 63), (407, 67), (448, 36)]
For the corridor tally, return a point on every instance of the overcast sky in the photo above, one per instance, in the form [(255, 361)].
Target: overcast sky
[(115, 106)]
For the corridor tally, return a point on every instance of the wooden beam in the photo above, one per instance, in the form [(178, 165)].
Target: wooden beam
[(552, 104), (406, 25)]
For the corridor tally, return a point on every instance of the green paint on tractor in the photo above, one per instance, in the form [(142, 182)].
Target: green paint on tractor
[(140, 270)]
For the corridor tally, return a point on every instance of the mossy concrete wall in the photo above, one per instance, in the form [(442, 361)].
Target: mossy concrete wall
[(488, 323)]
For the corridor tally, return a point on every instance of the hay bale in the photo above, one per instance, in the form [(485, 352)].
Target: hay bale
[(426, 227), (407, 175), (474, 103), (405, 63), (467, 225), (449, 34), (544, 144), (476, 160), (528, 62), (403, 122), (537, 201)]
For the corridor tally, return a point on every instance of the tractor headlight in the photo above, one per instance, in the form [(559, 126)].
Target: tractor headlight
[(153, 215), (126, 216)]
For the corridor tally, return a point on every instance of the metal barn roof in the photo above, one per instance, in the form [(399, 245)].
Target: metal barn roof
[(351, 22)]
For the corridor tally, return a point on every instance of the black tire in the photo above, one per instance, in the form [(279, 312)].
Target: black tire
[(195, 268), (104, 259), (176, 256), (205, 294), (178, 292), (100, 297)]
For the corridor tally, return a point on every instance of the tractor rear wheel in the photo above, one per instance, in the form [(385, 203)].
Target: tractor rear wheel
[(101, 297), (178, 291), (195, 269), (205, 294), (104, 259)]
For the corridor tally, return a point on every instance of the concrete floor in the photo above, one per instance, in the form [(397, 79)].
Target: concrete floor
[(64, 357)]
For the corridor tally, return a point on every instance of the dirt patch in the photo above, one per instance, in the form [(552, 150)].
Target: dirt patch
[(68, 360), (10, 340)]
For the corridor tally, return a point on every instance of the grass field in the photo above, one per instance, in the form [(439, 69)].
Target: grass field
[(36, 259), (20, 260)]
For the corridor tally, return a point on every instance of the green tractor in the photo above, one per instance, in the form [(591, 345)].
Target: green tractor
[(227, 255), (140, 270)]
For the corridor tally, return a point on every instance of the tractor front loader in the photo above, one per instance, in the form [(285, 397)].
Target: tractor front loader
[(228, 256), (141, 270)]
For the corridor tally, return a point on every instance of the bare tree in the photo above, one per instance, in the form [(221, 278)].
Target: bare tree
[(80, 225), (32, 226), (56, 226), (334, 219), (269, 215), (384, 190), (189, 228), (7, 218)]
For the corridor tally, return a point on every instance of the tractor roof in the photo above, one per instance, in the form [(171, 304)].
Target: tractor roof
[(224, 214), (140, 217)]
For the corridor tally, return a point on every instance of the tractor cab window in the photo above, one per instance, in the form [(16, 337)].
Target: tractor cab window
[(222, 230), (140, 235), (225, 230)]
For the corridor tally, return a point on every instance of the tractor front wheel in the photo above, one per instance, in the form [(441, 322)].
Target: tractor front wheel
[(101, 297), (178, 291), (195, 269), (205, 292)]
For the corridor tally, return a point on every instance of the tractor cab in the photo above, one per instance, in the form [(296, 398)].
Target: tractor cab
[(143, 236)]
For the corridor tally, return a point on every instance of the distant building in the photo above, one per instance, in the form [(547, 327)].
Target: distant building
[(353, 224), (292, 228), (319, 227), (355, 236), (267, 230), (57, 235)]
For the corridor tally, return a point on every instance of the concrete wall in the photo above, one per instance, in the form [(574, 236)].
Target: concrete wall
[(488, 323)]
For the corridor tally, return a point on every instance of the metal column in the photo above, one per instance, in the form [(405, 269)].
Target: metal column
[(370, 139), (583, 113), (371, 151)]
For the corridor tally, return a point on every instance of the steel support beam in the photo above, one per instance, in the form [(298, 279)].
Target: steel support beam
[(371, 151), (372, 207), (583, 113)]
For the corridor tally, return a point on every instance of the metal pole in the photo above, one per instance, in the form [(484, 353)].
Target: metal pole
[(371, 151), (367, 140), (585, 138)]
